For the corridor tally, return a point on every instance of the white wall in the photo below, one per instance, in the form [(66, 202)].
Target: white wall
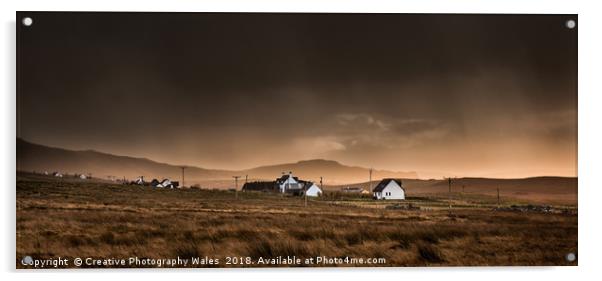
[(313, 191), (392, 192), (285, 185)]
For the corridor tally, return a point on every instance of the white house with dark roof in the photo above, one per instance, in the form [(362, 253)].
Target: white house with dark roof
[(389, 189), (288, 183), (155, 183), (139, 181), (312, 189), (166, 183)]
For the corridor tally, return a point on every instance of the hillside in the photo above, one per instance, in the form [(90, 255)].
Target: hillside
[(333, 172), (35, 157), (536, 189)]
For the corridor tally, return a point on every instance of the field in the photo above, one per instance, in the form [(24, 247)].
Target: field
[(76, 218)]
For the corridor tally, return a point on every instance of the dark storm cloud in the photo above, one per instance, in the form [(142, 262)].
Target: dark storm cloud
[(237, 90)]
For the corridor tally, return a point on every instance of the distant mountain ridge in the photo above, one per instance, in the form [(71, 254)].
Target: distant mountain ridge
[(332, 171), (36, 157)]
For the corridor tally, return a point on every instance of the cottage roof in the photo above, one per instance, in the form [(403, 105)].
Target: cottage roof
[(383, 183), (308, 184), (260, 185), (285, 177)]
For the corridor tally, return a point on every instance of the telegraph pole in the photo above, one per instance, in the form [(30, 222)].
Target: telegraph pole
[(498, 197), (183, 168), (305, 195), (449, 192), (236, 186), (370, 181)]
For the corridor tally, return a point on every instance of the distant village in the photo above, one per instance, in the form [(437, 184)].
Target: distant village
[(165, 183), (289, 184), (386, 189)]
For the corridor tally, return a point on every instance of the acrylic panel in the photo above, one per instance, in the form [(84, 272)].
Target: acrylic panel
[(187, 140)]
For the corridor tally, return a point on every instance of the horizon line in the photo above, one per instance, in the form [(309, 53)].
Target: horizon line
[(288, 163)]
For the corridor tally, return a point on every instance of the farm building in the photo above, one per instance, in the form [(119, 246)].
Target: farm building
[(57, 174), (285, 184), (268, 186), (289, 184), (82, 176), (312, 189), (355, 190), (138, 181), (389, 189), (166, 183)]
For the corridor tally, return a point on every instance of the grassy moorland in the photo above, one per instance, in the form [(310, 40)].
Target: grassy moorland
[(72, 218)]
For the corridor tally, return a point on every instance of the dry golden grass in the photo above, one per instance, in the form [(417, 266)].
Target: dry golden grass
[(84, 219)]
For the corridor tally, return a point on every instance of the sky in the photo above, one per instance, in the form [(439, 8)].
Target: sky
[(442, 95)]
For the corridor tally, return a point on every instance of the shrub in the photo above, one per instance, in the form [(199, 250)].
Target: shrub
[(270, 249), (187, 250), (429, 253), (353, 238), (108, 238), (430, 237), (301, 235), (75, 241)]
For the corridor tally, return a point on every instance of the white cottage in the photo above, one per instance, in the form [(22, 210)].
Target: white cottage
[(139, 181), (312, 190), (288, 183), (166, 183), (389, 189)]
